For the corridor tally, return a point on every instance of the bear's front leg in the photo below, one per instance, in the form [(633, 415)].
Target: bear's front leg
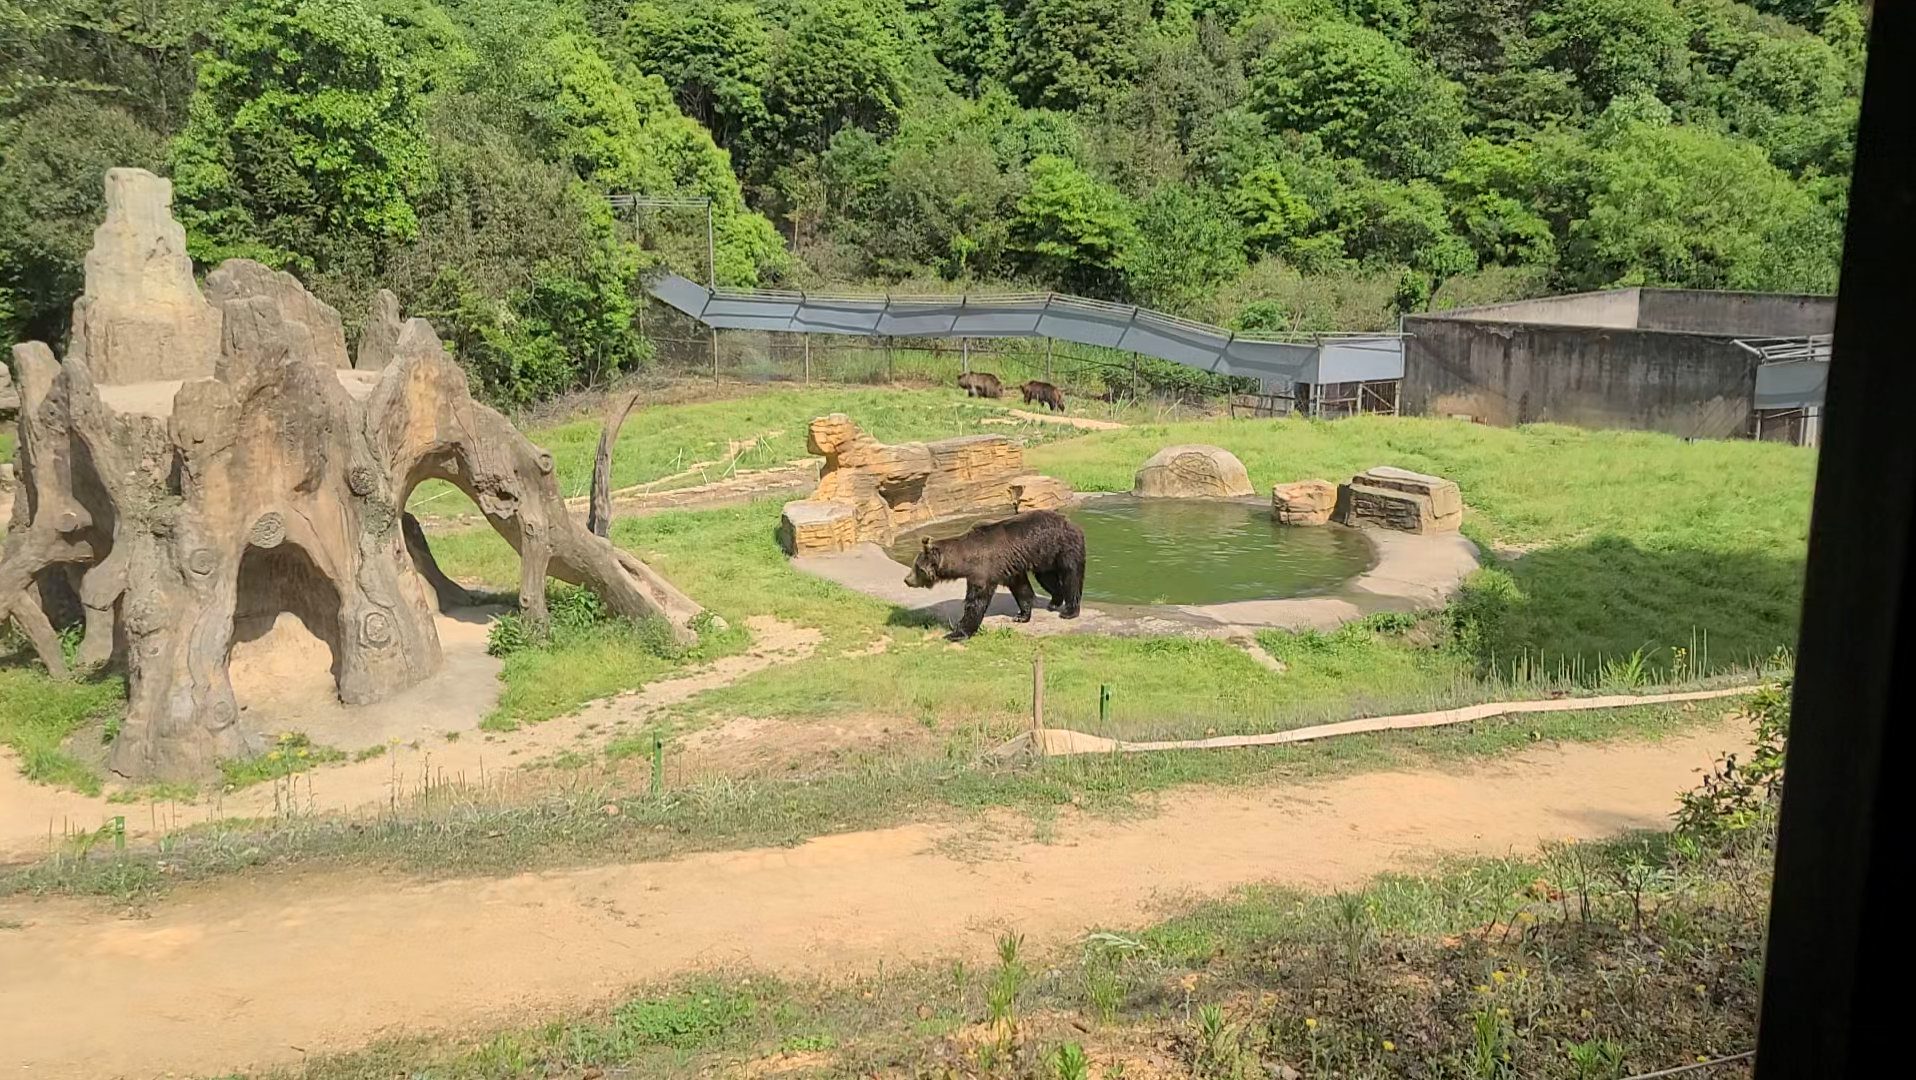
[(977, 601)]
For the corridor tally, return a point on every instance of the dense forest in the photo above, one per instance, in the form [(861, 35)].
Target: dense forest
[(1272, 164)]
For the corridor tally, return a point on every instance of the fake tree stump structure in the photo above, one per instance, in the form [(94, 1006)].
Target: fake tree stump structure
[(259, 475)]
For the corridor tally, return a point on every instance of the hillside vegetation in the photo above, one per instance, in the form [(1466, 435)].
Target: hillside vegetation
[(1274, 164)]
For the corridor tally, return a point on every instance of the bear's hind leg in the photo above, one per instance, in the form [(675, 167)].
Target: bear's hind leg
[(1053, 586), (1021, 592), (1071, 580)]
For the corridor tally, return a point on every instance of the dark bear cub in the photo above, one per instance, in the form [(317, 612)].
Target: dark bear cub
[(1044, 394), (1041, 543), (981, 384)]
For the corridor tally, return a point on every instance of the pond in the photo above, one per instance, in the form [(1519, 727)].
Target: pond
[(1194, 551)]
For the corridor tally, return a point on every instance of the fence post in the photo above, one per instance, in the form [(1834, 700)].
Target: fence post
[(1047, 360), (891, 361), (715, 347), (964, 356), (1037, 702)]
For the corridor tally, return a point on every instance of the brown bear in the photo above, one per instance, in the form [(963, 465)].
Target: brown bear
[(1044, 393), (981, 384), (1043, 543)]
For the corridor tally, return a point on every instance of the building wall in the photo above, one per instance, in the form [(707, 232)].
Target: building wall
[(1616, 308), (1510, 372), (1746, 315)]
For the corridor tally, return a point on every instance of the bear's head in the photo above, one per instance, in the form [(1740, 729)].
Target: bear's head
[(924, 571)]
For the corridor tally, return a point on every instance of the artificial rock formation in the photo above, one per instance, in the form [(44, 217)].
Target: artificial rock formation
[(141, 318), (871, 492), (1193, 471), (1388, 498), (273, 483), (380, 338), (1306, 502), (313, 329), (9, 397)]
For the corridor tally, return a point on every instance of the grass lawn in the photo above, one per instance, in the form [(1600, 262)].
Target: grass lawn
[(37, 715), (1618, 544), (1622, 549), (664, 442), (1541, 967)]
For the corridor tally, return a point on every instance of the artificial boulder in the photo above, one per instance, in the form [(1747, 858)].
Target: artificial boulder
[(276, 483), (1306, 502), (869, 491), (1390, 498), (1193, 471)]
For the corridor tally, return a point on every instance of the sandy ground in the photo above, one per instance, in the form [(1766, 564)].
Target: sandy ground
[(438, 744), (266, 969)]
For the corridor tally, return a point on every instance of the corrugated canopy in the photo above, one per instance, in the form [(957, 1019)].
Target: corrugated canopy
[(1325, 359)]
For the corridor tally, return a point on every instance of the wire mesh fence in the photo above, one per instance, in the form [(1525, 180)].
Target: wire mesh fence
[(683, 347)]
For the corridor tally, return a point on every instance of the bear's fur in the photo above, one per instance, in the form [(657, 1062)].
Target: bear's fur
[(1040, 543), (981, 384), (1044, 393)]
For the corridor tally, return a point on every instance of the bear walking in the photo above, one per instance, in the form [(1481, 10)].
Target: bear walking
[(1043, 543), (1043, 393), (981, 384)]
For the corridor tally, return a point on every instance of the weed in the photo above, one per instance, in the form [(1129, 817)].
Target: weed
[(1068, 1062), (293, 752)]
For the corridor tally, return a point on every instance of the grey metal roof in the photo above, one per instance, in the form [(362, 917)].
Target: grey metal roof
[(1317, 358), (1791, 373)]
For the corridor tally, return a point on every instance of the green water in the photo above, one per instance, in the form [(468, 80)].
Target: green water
[(1196, 551)]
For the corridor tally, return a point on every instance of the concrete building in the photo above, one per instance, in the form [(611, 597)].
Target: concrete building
[(1705, 365)]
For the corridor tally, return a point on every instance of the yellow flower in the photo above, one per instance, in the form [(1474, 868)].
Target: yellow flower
[(1526, 917), (1481, 989), (1498, 977), (274, 756), (1587, 1014), (1503, 1012), (1389, 1047), (1702, 989), (1310, 1022)]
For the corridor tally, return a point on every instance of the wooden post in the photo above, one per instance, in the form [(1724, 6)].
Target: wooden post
[(715, 375), (891, 362), (964, 356), (808, 359), (1037, 702), (1047, 361)]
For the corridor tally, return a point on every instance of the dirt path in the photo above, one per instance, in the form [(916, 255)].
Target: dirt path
[(264, 970), (35, 818), (1084, 422)]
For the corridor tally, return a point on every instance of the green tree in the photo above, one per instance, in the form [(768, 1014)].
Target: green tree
[(1683, 206), (1271, 214), (973, 40), (714, 54), (1364, 96), (1492, 192), (1615, 47), (1073, 230), (303, 143), (1070, 53), (53, 161), (1389, 224), (1187, 247), (837, 65), (628, 136)]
